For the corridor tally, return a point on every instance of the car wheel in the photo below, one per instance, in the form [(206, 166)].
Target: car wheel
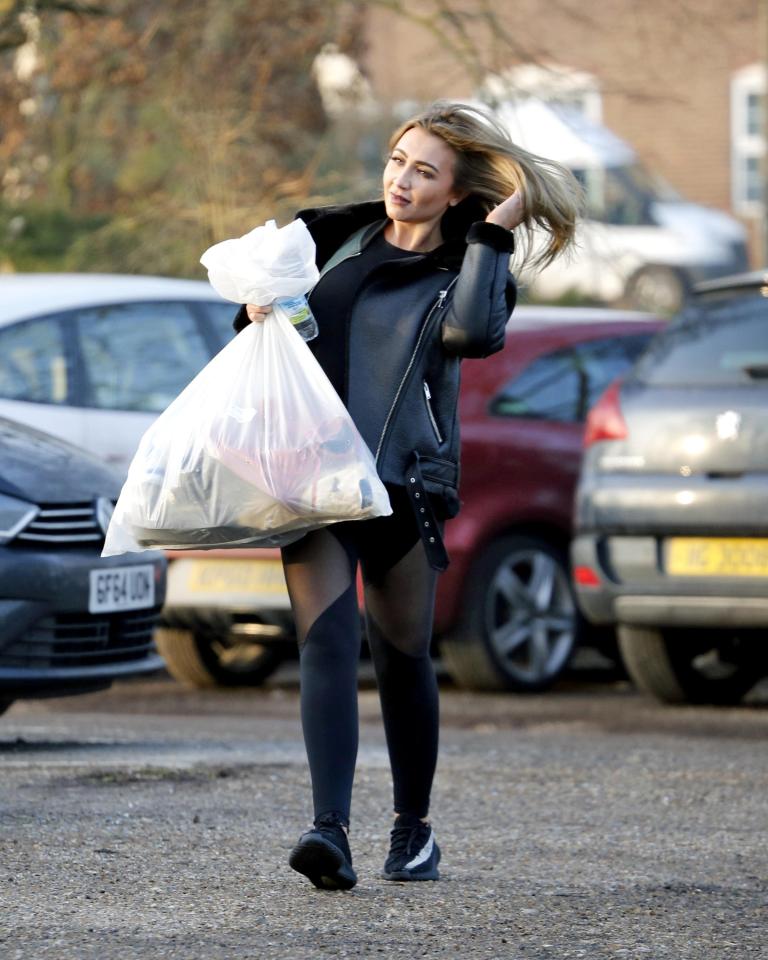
[(685, 666), (661, 290), (198, 659), (520, 622)]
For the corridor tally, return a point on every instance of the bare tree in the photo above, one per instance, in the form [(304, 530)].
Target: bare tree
[(178, 124), (15, 13)]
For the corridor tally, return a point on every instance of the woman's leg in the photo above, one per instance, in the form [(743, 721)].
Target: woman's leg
[(320, 573), (399, 612)]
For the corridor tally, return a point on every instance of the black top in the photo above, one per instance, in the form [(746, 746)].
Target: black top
[(332, 301)]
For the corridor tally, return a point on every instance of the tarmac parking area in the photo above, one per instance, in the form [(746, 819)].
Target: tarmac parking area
[(152, 821)]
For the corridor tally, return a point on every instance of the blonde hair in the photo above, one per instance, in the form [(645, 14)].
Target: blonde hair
[(490, 166)]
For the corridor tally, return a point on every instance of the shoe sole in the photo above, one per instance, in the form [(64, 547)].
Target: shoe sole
[(321, 862), (407, 875)]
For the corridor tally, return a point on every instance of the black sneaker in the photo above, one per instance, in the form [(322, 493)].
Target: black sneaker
[(413, 852), (323, 854)]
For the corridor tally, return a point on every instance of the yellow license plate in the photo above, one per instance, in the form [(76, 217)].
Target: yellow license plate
[(236, 576), (241, 582), (717, 557)]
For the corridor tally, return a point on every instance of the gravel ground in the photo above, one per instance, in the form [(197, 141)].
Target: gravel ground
[(155, 822)]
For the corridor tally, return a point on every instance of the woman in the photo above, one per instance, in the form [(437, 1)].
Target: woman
[(408, 286)]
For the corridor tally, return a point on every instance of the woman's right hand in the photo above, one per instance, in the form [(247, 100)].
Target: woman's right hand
[(510, 213), (257, 314)]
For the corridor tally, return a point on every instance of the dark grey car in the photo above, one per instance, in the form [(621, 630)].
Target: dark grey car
[(671, 520), (70, 621)]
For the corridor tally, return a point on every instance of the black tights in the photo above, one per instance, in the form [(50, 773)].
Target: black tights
[(320, 570)]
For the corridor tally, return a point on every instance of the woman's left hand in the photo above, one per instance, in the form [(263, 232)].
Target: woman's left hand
[(509, 213)]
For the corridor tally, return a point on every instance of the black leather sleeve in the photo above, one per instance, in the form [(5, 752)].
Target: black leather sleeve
[(484, 294), (241, 320)]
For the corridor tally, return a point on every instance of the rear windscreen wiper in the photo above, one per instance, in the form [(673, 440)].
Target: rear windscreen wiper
[(758, 371)]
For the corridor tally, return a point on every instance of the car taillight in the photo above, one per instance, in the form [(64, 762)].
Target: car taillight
[(586, 577), (604, 420)]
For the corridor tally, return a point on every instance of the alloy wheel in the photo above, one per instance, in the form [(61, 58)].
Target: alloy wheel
[(530, 616)]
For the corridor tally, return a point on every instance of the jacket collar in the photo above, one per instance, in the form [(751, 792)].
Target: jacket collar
[(331, 226)]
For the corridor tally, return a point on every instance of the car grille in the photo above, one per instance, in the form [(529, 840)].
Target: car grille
[(83, 640), (65, 524)]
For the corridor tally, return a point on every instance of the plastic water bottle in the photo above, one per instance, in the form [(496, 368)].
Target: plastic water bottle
[(300, 315)]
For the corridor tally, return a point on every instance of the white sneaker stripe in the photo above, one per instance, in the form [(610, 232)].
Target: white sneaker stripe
[(424, 854)]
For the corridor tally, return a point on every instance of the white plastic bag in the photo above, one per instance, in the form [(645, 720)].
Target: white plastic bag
[(263, 265), (257, 450)]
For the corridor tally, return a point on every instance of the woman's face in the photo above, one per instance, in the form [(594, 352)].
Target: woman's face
[(418, 178)]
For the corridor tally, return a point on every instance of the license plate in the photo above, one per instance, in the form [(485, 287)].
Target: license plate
[(243, 583), (717, 557), (122, 588)]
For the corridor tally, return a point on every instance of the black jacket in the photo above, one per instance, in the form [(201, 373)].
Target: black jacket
[(450, 303)]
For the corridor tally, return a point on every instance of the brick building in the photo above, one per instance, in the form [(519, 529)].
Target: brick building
[(683, 82)]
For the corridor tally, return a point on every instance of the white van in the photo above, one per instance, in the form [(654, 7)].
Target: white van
[(641, 244)]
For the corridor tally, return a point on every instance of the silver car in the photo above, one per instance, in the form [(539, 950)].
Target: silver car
[(671, 517)]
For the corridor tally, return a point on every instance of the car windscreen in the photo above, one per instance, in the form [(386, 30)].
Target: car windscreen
[(723, 341)]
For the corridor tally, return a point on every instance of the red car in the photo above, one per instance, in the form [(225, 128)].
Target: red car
[(506, 616)]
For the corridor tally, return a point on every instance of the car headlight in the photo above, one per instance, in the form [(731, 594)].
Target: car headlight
[(14, 516)]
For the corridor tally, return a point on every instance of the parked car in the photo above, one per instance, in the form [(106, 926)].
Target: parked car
[(506, 617), (70, 621), (94, 358), (672, 508)]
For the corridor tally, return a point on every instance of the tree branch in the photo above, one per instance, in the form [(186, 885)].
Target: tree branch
[(13, 32)]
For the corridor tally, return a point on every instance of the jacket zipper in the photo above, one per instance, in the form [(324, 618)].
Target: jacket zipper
[(425, 326), (430, 411)]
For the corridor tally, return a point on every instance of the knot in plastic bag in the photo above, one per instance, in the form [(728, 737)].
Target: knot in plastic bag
[(264, 265)]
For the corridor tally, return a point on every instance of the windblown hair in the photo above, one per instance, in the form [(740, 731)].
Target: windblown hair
[(491, 167)]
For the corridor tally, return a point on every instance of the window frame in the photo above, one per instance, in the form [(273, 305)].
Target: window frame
[(745, 146)]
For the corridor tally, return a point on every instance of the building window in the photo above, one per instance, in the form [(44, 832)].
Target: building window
[(748, 140)]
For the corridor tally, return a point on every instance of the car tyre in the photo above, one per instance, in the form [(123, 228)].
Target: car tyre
[(520, 623), (198, 659), (677, 666), (661, 290)]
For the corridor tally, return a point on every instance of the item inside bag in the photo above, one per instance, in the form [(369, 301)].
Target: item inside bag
[(275, 495)]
